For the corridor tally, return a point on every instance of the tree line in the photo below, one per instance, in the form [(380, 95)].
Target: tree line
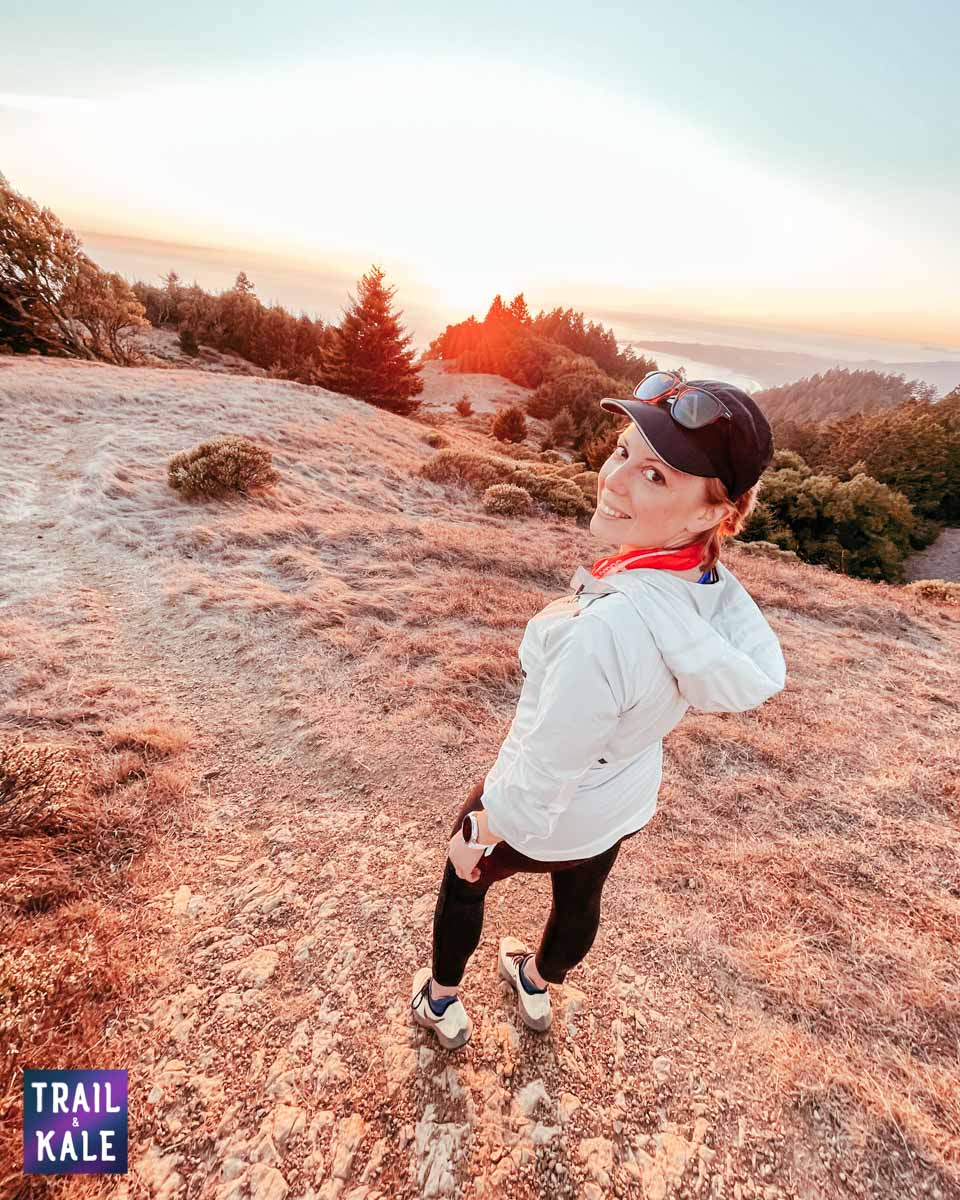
[(512, 343), (55, 300)]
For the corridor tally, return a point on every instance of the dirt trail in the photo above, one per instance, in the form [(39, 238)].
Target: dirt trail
[(277, 1058), (941, 560)]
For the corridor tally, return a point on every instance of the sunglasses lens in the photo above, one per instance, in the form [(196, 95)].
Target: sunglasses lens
[(653, 386), (695, 408)]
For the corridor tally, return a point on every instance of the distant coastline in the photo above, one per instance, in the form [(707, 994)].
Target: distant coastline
[(754, 368)]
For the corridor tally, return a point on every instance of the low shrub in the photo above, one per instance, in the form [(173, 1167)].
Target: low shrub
[(560, 496), (588, 482), (228, 464), (469, 467), (506, 499), (481, 471), (946, 591)]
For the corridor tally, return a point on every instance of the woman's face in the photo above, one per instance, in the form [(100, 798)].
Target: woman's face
[(663, 506)]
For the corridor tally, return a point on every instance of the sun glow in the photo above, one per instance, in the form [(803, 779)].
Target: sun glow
[(424, 167)]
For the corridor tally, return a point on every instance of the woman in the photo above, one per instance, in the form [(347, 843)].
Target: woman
[(608, 672)]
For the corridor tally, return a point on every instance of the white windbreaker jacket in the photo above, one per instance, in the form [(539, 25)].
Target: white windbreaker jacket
[(608, 672)]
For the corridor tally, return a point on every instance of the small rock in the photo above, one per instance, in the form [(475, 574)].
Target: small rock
[(597, 1153), (232, 1167), (301, 951), (288, 1124), (533, 1094), (255, 969), (661, 1066), (349, 1135), (266, 1183)]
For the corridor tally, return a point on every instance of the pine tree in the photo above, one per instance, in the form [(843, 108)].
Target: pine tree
[(518, 306), (370, 358)]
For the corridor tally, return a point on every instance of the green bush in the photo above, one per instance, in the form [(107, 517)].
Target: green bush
[(188, 342), (228, 464), (857, 526), (478, 471), (509, 425), (576, 385)]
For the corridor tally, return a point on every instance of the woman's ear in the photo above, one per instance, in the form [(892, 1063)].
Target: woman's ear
[(711, 515)]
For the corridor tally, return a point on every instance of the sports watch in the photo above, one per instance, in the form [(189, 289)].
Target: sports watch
[(471, 832)]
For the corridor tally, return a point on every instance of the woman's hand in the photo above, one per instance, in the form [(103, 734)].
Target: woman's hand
[(465, 861)]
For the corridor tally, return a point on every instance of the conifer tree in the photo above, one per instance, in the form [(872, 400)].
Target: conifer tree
[(370, 357), (518, 306)]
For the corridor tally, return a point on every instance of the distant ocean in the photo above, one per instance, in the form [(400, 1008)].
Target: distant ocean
[(755, 358)]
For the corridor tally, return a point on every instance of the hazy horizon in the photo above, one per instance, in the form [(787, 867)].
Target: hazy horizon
[(323, 292), (728, 165)]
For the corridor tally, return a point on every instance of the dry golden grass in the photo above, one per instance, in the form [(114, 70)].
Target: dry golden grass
[(794, 906), (74, 819)]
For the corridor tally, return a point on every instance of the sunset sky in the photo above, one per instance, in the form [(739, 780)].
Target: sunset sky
[(733, 160)]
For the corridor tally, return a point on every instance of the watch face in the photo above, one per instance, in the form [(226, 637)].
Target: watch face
[(467, 827)]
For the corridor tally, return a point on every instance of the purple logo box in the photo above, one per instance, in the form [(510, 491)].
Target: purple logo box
[(74, 1122)]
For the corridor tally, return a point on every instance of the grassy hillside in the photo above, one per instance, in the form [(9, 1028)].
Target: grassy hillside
[(296, 692)]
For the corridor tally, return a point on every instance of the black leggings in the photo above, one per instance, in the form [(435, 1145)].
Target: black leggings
[(574, 915)]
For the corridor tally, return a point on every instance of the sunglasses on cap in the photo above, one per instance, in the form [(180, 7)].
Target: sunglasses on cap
[(689, 406)]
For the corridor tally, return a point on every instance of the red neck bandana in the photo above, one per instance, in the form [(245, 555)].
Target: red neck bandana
[(683, 558)]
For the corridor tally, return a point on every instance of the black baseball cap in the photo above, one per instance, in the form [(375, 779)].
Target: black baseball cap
[(737, 451)]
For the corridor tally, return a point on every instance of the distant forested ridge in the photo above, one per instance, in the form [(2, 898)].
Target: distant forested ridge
[(840, 392)]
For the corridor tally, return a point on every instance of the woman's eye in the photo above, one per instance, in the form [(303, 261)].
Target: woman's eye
[(659, 477)]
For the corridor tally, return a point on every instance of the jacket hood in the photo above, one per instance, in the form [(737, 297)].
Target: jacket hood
[(714, 639)]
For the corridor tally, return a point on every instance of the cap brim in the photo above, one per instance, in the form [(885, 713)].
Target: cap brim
[(667, 439)]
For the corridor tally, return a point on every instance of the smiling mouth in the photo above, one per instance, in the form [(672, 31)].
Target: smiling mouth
[(606, 511)]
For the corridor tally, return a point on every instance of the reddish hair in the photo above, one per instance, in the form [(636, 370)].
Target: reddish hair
[(715, 492)]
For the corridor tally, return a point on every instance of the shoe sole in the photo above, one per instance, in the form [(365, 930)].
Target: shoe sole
[(538, 1024)]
